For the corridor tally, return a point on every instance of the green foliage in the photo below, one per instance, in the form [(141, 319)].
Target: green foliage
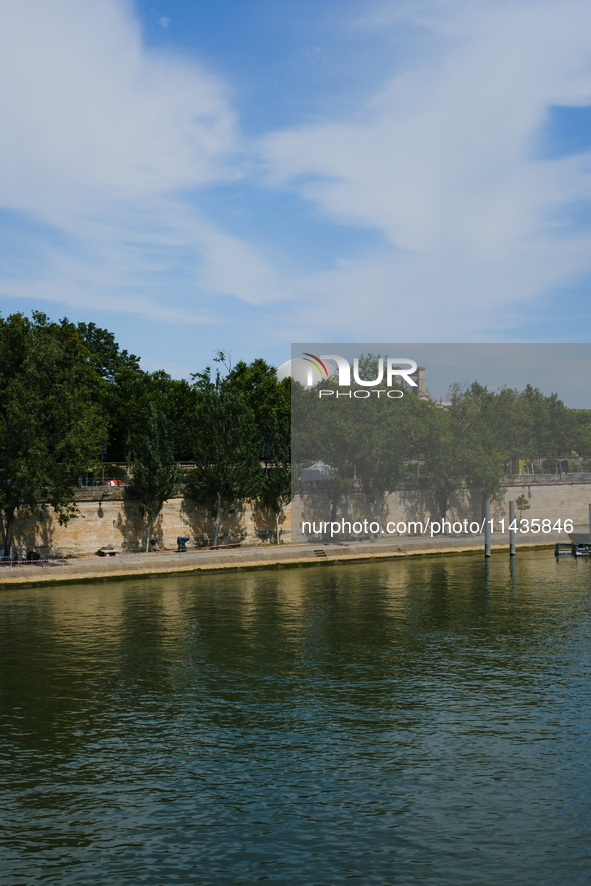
[(105, 356), (155, 474), (365, 440), (369, 441), (226, 451), (68, 390), (269, 399), (522, 503), (322, 430), (274, 490), (444, 449), (51, 426), (470, 439)]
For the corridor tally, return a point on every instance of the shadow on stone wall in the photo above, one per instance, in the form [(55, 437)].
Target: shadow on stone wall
[(202, 525), (130, 526), (418, 504), (33, 533), (408, 504), (265, 528), (467, 503), (353, 507)]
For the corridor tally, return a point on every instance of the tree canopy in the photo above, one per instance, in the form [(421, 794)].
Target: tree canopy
[(51, 425), (155, 474), (227, 453), (71, 396), (374, 444)]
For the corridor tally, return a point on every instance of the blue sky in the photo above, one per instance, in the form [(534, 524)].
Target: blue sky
[(241, 174)]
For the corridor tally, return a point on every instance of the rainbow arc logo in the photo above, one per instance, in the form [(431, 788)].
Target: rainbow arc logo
[(317, 362)]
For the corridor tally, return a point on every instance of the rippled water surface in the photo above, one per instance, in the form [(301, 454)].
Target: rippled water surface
[(417, 721)]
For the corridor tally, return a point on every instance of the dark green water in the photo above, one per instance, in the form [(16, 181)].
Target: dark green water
[(424, 721)]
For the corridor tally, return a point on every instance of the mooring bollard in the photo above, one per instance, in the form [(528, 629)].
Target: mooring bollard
[(512, 531), (487, 529)]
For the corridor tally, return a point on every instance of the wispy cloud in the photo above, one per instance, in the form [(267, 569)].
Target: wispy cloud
[(85, 107), (109, 146), (443, 163), (102, 141)]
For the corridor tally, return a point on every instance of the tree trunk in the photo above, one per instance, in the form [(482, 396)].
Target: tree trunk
[(217, 521), (148, 536), (277, 515), (8, 536), (333, 510), (443, 504)]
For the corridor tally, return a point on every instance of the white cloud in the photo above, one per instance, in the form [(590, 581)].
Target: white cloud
[(107, 142), (85, 107), (100, 138), (443, 163), (164, 21)]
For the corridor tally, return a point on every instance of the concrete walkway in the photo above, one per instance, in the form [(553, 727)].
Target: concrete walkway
[(124, 566)]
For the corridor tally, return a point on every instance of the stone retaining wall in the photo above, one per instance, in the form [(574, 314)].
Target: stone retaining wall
[(551, 497), (110, 516)]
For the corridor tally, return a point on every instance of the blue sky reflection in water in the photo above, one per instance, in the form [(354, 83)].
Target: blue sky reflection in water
[(414, 721)]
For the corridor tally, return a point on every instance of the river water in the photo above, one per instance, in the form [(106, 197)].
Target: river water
[(412, 721)]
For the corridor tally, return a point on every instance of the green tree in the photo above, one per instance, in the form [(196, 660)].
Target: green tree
[(523, 504), (106, 357), (121, 394), (155, 475), (268, 398), (551, 427), (446, 447), (126, 392), (226, 447), (178, 402), (363, 437), (275, 484), (51, 426), (582, 432), (322, 430), (491, 427)]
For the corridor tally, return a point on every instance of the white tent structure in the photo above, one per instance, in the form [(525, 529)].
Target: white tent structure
[(318, 471)]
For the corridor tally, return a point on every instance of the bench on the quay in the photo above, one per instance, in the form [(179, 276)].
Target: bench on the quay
[(107, 551)]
